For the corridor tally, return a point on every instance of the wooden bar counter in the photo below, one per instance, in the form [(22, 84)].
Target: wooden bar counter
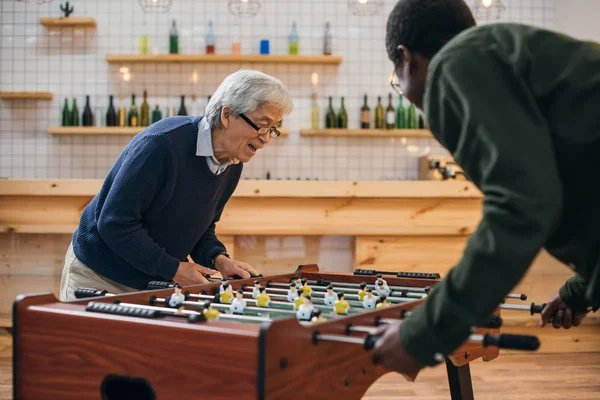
[(419, 226)]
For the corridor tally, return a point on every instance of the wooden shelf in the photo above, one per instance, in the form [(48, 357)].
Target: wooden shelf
[(222, 58), (412, 133), (69, 21), (26, 95), (107, 130)]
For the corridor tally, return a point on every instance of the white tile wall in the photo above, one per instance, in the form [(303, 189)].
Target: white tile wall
[(70, 63)]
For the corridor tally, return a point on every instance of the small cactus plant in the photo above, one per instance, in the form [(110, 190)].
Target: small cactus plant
[(66, 9)]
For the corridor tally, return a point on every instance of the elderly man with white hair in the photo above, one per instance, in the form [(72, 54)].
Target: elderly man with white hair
[(165, 193)]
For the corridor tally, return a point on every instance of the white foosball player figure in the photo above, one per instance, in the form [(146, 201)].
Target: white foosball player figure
[(369, 301), (305, 310), (330, 296), (238, 304), (292, 294), (380, 278), (381, 288), (256, 289), (177, 298)]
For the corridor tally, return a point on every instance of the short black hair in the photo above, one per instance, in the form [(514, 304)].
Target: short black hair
[(424, 26)]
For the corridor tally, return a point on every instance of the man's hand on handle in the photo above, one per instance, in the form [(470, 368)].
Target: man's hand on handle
[(559, 314), (190, 273)]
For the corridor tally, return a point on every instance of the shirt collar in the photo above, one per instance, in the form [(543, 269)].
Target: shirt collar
[(204, 147)]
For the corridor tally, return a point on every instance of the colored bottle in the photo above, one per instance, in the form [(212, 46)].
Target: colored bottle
[(66, 115), (74, 114), (122, 113), (111, 115), (390, 114), (156, 114), (327, 40), (182, 110), (330, 119), (314, 113), (342, 119), (133, 113), (365, 115), (379, 115), (210, 39), (145, 111), (411, 122), (421, 121), (87, 118), (173, 39), (143, 44), (400, 114), (294, 40), (236, 44)]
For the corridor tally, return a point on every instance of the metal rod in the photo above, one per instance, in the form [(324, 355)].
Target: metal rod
[(364, 329), (318, 295), (341, 339), (319, 300)]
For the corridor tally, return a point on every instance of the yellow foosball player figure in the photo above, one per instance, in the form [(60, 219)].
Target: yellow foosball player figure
[(305, 288), (330, 296), (292, 294), (226, 295), (382, 302), (238, 304), (370, 301), (305, 310), (341, 306), (362, 292), (177, 298), (256, 289), (317, 316), (263, 299), (209, 312), (298, 300)]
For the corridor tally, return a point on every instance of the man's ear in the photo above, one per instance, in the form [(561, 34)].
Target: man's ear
[(225, 115), (408, 60)]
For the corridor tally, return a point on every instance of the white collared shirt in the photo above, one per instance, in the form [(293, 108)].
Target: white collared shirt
[(204, 148)]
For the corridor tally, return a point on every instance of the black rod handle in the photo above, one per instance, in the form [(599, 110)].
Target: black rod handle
[(514, 342), (492, 322), (82, 293), (153, 285), (537, 308), (370, 341)]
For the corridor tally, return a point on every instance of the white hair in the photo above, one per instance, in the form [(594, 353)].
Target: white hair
[(244, 91)]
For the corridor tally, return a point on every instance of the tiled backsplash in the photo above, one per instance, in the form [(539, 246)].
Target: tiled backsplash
[(70, 62)]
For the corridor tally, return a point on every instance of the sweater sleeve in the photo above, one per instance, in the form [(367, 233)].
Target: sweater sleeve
[(208, 246), (144, 170), (490, 123)]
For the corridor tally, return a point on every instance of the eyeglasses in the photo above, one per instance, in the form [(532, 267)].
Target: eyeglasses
[(394, 83), (262, 130)]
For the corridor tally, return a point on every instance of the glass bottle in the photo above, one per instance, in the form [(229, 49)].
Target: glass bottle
[(330, 120), (156, 114), (210, 39), (400, 114), (390, 114), (66, 115), (314, 113), (133, 113), (87, 118), (327, 40), (111, 115), (182, 110), (145, 111), (365, 115), (294, 39), (342, 120), (411, 122), (173, 39), (379, 118), (74, 114), (122, 113)]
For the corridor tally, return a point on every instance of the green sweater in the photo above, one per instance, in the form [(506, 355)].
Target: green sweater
[(519, 109)]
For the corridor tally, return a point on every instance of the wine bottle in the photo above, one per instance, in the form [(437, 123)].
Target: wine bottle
[(111, 116), (173, 39), (122, 113), (182, 110), (365, 116), (314, 113), (156, 114), (294, 39), (143, 44), (390, 114), (133, 113), (145, 111), (411, 122), (421, 121), (330, 120), (379, 116), (87, 118), (66, 115), (342, 119), (327, 40), (210, 39), (74, 114), (400, 114)]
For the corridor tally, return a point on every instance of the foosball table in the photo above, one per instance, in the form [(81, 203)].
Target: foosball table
[(240, 339)]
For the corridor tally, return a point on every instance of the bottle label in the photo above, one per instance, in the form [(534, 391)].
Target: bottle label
[(365, 117), (133, 121), (390, 118)]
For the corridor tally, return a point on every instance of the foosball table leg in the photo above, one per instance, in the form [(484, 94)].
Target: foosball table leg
[(459, 379)]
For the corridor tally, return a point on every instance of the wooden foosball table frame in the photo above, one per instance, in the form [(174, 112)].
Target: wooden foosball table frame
[(61, 351)]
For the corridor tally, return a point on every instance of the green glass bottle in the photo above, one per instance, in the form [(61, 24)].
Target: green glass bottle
[(390, 114), (133, 113), (330, 119), (66, 115), (421, 122), (294, 39), (156, 114), (342, 120), (379, 124), (400, 114), (145, 111), (412, 117), (74, 114), (365, 115), (173, 39)]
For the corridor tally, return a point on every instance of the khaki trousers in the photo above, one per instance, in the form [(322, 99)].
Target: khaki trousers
[(78, 275)]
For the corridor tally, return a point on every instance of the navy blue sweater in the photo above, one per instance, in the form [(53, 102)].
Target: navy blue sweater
[(158, 204)]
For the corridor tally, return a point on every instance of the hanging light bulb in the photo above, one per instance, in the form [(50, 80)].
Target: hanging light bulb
[(315, 79), (486, 3), (487, 10), (365, 7), (156, 6), (244, 8)]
